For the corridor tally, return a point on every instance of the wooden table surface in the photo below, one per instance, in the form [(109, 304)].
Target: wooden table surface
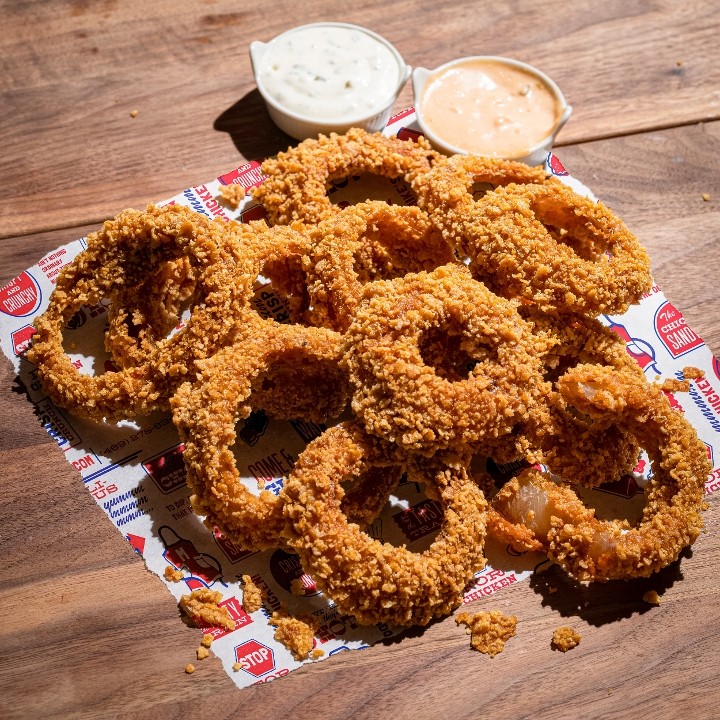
[(85, 630)]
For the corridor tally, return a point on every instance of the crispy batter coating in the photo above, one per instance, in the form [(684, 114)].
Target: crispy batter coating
[(297, 180), (297, 634), (489, 630), (591, 549), (450, 191), (375, 581), (253, 596), (547, 244), (405, 400), (565, 638), (367, 242), (118, 256), (202, 605)]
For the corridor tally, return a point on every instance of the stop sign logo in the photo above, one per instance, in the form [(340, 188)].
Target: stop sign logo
[(255, 658)]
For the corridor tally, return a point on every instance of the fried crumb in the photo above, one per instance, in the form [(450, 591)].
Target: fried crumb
[(202, 605), (651, 597), (171, 574), (237, 666), (202, 653), (295, 633), (297, 587), (134, 113), (207, 640), (679, 63), (674, 385), (489, 630), (253, 596), (233, 194), (317, 653), (189, 668), (705, 197), (693, 373), (565, 638)]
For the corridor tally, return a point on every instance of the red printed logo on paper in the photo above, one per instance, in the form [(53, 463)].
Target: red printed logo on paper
[(232, 551), (21, 296), (420, 520), (255, 658), (21, 339), (236, 612), (249, 175), (716, 367), (640, 350), (286, 569), (674, 332), (182, 553), (167, 469), (556, 167), (408, 134)]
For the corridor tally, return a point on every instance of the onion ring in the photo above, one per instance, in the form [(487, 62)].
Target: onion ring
[(369, 241), (205, 413), (593, 550), (296, 184), (402, 399), (118, 256), (447, 191), (547, 244), (374, 581)]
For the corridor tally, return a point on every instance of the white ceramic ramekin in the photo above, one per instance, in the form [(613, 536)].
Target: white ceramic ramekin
[(536, 154), (300, 126)]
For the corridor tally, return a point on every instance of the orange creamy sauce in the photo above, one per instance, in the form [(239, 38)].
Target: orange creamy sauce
[(489, 108)]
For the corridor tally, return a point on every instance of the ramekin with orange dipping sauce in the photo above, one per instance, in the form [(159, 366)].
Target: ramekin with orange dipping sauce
[(490, 105)]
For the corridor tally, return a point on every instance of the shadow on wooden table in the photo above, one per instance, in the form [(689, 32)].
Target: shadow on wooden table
[(602, 603), (249, 126)]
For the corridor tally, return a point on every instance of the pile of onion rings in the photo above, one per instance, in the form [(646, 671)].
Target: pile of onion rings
[(428, 337)]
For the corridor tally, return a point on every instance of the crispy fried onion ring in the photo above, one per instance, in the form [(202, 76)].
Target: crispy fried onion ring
[(549, 245), (450, 191), (484, 393), (584, 449), (292, 366), (551, 517), (144, 314), (297, 180), (205, 413), (367, 242), (375, 581), (121, 255)]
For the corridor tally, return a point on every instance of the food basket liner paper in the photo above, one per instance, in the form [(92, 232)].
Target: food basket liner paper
[(135, 470)]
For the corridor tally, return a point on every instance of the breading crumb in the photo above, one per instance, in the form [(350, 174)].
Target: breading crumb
[(489, 630), (202, 605), (706, 197), (172, 574), (297, 634), (317, 653), (297, 587), (674, 385), (237, 666), (233, 194), (253, 595), (565, 638), (207, 640), (202, 653), (693, 373), (134, 113), (189, 668), (651, 597)]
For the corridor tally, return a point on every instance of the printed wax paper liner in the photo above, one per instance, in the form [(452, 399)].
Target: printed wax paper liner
[(135, 471)]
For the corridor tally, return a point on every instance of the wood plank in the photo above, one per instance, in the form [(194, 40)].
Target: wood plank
[(88, 632), (73, 155)]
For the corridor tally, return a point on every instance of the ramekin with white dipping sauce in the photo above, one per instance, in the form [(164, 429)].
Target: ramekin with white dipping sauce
[(489, 105), (328, 77)]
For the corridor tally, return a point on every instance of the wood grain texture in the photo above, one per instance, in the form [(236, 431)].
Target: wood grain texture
[(184, 65), (86, 631)]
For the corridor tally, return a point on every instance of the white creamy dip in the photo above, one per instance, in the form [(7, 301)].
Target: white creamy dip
[(330, 73)]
